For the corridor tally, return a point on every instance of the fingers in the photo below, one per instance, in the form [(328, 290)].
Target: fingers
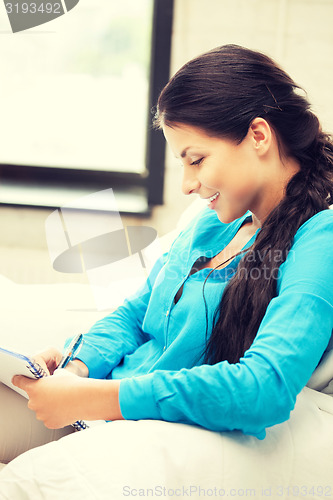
[(57, 356), (49, 359), (22, 382), (41, 362)]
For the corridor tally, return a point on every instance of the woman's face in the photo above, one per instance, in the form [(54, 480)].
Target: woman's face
[(228, 175)]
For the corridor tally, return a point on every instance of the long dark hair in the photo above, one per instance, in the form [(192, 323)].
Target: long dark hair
[(222, 92)]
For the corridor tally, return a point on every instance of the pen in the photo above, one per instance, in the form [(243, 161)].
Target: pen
[(70, 353), (72, 350)]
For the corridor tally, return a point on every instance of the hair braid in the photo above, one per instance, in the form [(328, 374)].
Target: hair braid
[(308, 192)]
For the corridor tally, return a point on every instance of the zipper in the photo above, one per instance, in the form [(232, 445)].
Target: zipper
[(182, 282)]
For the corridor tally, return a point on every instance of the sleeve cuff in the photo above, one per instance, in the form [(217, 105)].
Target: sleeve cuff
[(88, 357), (91, 357), (136, 398)]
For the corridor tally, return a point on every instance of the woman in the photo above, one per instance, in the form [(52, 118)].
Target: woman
[(233, 321)]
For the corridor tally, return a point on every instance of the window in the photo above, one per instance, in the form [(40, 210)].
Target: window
[(76, 100)]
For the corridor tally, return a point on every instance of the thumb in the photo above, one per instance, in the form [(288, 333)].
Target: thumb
[(22, 382)]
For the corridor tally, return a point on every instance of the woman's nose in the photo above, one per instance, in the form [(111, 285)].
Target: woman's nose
[(190, 183)]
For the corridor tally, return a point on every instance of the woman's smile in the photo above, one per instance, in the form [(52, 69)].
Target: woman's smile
[(212, 200)]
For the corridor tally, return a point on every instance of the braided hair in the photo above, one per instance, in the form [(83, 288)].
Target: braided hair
[(222, 92)]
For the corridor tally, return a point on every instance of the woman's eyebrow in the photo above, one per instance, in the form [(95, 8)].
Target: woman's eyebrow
[(183, 153)]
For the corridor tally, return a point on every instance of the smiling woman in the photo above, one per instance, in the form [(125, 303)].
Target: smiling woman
[(265, 152), (218, 338)]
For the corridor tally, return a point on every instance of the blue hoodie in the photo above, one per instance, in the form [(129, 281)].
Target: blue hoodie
[(155, 346)]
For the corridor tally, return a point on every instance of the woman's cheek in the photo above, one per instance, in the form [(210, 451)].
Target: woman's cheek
[(244, 187)]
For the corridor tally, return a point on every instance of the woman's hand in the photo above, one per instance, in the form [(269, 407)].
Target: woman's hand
[(52, 398), (50, 359), (63, 398)]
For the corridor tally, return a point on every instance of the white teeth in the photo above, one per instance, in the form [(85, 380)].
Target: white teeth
[(212, 198)]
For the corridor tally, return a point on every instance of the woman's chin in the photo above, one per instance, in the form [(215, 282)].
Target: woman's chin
[(226, 217)]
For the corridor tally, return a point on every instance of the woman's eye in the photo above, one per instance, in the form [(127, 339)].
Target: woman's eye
[(196, 162)]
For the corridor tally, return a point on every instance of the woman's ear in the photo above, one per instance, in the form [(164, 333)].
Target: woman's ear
[(260, 135)]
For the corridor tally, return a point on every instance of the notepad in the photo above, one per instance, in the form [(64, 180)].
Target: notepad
[(13, 363)]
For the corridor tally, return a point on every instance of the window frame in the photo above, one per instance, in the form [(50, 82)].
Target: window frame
[(150, 183)]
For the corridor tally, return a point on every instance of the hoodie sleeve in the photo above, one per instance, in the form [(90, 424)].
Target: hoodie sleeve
[(119, 333)]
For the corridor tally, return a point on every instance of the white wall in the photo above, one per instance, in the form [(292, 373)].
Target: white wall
[(298, 34)]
